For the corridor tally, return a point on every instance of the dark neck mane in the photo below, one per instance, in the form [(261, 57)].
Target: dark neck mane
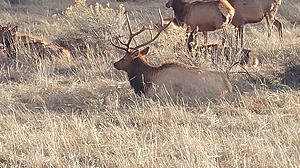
[(139, 75)]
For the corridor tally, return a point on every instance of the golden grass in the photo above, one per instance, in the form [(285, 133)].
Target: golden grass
[(83, 113)]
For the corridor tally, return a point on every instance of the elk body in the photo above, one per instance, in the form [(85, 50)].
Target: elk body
[(164, 21), (177, 79), (205, 15), (253, 11), (12, 42), (244, 56)]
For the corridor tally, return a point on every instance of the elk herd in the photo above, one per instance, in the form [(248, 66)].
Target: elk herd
[(173, 78), (198, 16), (11, 42)]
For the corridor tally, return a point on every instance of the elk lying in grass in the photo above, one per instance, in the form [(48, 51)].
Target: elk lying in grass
[(164, 21), (12, 42), (176, 79), (206, 15), (253, 11), (241, 56)]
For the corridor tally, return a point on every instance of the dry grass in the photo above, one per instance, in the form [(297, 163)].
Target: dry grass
[(83, 113)]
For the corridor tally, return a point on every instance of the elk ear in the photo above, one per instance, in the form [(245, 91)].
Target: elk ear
[(145, 51), (14, 30), (135, 54)]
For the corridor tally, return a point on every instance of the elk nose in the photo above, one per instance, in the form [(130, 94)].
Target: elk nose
[(116, 66), (168, 5)]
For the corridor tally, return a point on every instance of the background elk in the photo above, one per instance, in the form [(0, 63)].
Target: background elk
[(172, 28), (11, 42), (205, 15), (219, 53), (253, 11), (176, 79)]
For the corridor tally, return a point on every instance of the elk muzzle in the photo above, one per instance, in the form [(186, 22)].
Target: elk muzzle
[(122, 64), (169, 3), (117, 65)]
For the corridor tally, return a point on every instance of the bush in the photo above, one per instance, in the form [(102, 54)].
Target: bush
[(82, 27)]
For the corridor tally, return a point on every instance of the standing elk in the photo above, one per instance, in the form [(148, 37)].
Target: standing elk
[(204, 15), (11, 42), (176, 79), (253, 11)]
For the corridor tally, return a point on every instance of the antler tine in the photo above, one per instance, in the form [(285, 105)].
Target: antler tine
[(161, 18), (119, 47), (151, 34), (129, 25), (132, 35), (155, 37)]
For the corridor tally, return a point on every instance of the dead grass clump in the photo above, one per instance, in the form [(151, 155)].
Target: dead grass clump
[(82, 27), (53, 114)]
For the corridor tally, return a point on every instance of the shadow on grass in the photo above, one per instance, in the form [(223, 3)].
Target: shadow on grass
[(291, 77)]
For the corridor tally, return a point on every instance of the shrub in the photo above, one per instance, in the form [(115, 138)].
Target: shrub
[(82, 27)]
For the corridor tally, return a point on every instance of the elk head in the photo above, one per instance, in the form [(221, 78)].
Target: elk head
[(132, 53), (169, 3), (7, 39), (126, 62)]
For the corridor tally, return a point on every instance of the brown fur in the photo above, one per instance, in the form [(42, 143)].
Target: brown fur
[(205, 15), (2, 53), (175, 78), (253, 11), (12, 41), (173, 26), (246, 56)]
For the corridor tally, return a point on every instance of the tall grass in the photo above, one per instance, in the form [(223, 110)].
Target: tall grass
[(83, 113)]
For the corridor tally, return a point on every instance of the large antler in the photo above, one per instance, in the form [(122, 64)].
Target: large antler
[(132, 35)]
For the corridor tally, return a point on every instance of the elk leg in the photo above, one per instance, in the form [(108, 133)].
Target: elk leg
[(279, 27), (225, 36), (192, 38), (189, 40), (268, 24), (205, 37), (205, 42), (236, 37), (241, 34)]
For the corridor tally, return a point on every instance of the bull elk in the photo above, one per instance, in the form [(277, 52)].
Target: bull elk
[(175, 78), (253, 11), (12, 41), (205, 15)]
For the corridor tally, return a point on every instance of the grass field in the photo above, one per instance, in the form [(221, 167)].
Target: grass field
[(83, 112)]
